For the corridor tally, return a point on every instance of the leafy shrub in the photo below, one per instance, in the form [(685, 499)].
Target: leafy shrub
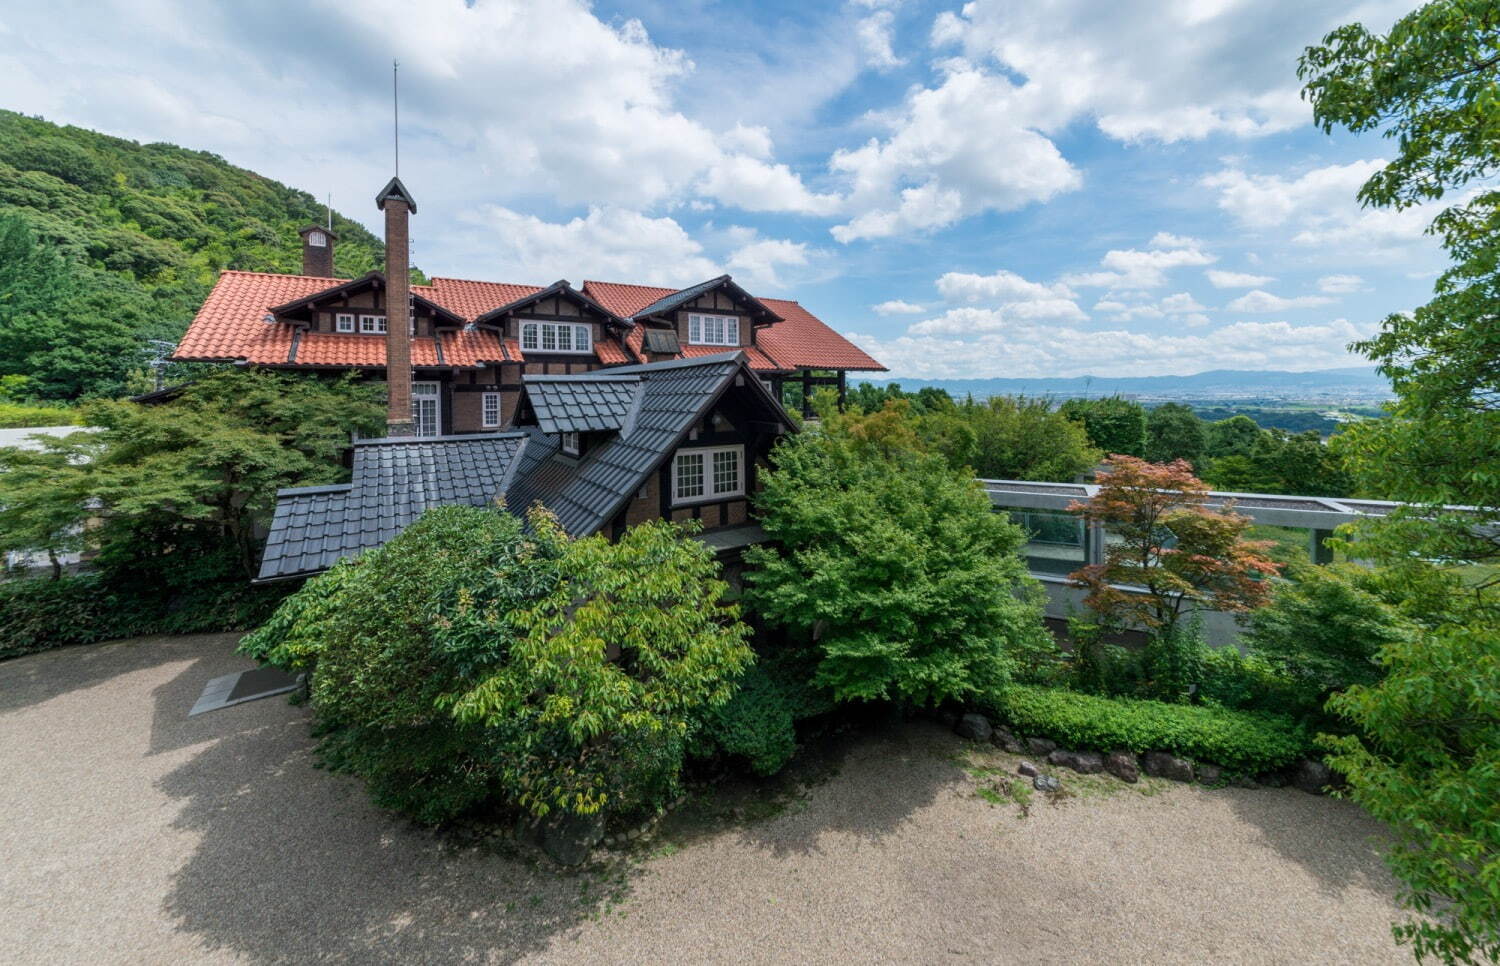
[(1239, 740), (756, 724), (1173, 661), (19, 415), (1097, 666), (1247, 682), (895, 566), (1325, 629), (202, 593), (468, 663)]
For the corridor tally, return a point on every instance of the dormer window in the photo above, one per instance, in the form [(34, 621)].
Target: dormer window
[(571, 444), (702, 475), (317, 239), (343, 322), (372, 324), (556, 337), (713, 329)]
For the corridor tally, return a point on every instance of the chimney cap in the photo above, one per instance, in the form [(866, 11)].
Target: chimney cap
[(304, 232), (395, 189)]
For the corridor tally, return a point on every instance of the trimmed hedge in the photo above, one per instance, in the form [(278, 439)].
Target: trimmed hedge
[(1241, 741)]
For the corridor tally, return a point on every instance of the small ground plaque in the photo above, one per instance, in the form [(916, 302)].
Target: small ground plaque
[(242, 686)]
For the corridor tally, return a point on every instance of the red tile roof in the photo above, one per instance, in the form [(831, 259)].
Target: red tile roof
[(231, 326), (804, 341)]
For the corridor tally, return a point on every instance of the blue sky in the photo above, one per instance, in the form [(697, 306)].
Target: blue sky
[(998, 188)]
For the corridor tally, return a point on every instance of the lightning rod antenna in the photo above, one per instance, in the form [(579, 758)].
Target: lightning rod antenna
[(396, 114)]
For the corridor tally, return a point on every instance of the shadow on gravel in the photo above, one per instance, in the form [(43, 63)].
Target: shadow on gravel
[(293, 863), (36, 678), (1334, 840), (868, 780)]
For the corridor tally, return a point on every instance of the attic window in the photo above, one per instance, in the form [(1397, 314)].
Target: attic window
[(372, 324), (556, 337), (317, 239), (570, 445), (713, 329), (702, 475), (344, 322), (660, 340)]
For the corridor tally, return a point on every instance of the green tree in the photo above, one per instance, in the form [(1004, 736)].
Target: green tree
[(1299, 463), (1015, 438), (892, 564), (1428, 753), (1234, 436), (1114, 425), (497, 666), (1324, 630), (44, 496), (1174, 432)]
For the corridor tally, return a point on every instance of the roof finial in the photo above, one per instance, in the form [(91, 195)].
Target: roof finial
[(396, 114)]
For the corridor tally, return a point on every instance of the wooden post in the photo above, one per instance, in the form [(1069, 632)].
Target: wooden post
[(807, 410)]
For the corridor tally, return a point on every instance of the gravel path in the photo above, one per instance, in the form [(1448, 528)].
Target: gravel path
[(134, 834)]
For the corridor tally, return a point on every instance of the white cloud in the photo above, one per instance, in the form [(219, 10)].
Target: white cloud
[(1001, 286), (1180, 304), (754, 265), (1134, 269), (1262, 301), (608, 243), (596, 120), (955, 151), (897, 307), (874, 33), (1321, 209), (1340, 284), (1181, 307), (1028, 349), (974, 319), (1166, 71), (1222, 279)]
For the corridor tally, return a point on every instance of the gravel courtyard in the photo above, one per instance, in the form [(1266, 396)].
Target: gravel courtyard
[(132, 833)]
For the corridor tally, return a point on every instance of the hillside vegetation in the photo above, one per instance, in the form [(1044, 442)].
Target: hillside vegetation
[(106, 244)]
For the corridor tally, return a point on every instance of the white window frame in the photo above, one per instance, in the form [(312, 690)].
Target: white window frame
[(710, 491), (317, 239), (535, 336), (486, 400), (343, 322), (713, 329), (421, 392), (372, 324), (570, 444)]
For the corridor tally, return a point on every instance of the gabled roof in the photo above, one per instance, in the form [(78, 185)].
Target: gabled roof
[(395, 481), (355, 284), (586, 493), (560, 289), (311, 228), (581, 404), (682, 296), (395, 189)]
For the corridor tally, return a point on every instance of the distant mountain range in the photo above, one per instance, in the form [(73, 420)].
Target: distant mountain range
[(1356, 381)]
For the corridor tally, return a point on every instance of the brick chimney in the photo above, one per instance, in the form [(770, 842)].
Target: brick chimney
[(398, 206), (317, 251)]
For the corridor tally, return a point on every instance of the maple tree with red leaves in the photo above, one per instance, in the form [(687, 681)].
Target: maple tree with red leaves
[(1183, 555)]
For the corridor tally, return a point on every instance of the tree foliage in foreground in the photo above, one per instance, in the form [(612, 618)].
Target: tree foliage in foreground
[(895, 566), (1428, 753), (489, 666)]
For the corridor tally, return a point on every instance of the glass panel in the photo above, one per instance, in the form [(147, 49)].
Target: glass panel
[(549, 337), (1056, 541), (491, 403), (528, 335), (582, 338), (695, 328), (689, 475), (727, 471)]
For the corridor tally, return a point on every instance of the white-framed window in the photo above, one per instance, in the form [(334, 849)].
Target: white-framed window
[(708, 473), (372, 324), (570, 445), (489, 409), (556, 337), (343, 322), (713, 329), (317, 239)]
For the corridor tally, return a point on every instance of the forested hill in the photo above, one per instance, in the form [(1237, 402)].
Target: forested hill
[(106, 243)]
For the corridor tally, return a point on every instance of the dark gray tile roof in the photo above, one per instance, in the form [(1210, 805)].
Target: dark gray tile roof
[(395, 480), (582, 404), (669, 302), (586, 493)]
